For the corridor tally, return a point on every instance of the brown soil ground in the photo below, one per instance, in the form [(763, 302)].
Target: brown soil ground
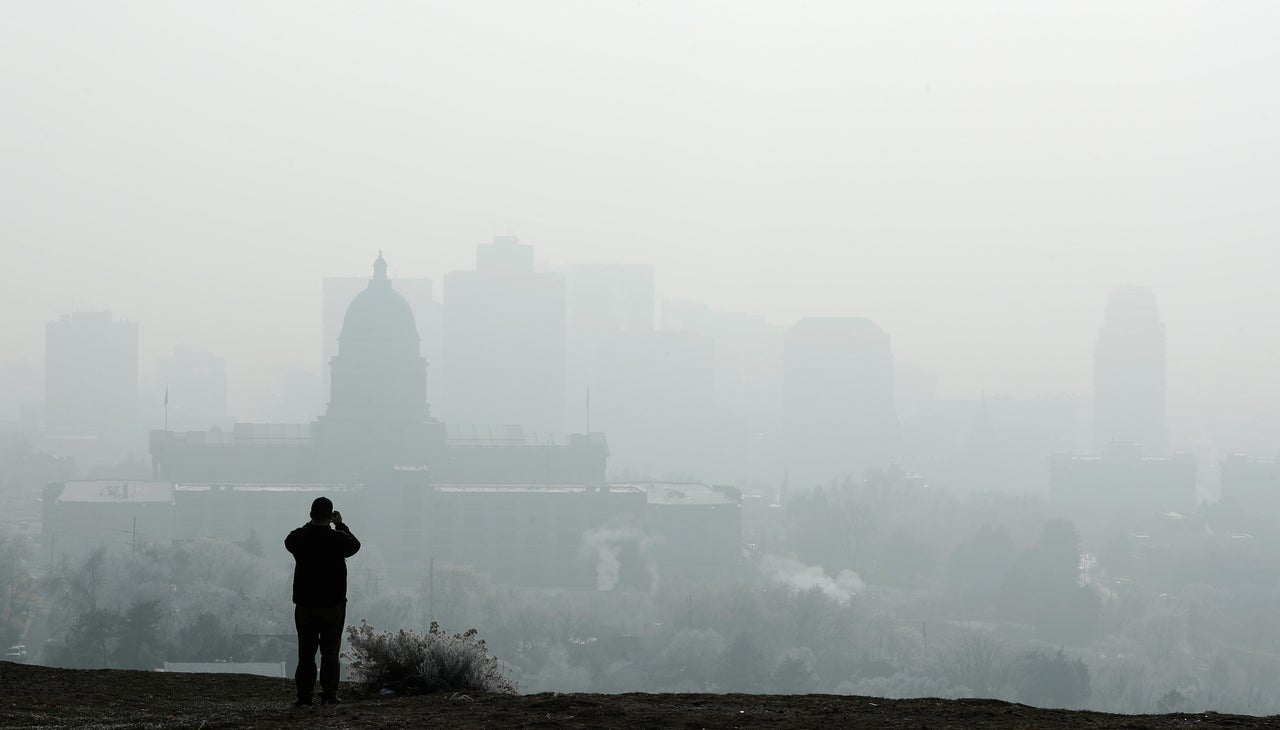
[(41, 697)]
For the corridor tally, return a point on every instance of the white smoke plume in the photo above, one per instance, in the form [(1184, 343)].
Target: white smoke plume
[(605, 544), (798, 576)]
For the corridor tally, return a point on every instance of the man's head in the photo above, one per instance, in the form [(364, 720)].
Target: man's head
[(321, 509)]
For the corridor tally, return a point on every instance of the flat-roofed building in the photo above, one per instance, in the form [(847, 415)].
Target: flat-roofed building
[(695, 530), (237, 512), (82, 515), (1251, 484), (511, 455), (588, 538), (1121, 489), (246, 453), (553, 536)]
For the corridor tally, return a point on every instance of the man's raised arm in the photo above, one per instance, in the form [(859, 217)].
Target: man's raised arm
[(350, 545)]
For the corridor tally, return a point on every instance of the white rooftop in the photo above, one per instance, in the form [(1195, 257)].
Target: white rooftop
[(682, 493), (533, 488)]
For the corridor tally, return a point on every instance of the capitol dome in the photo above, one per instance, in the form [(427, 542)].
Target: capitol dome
[(379, 317), (379, 374)]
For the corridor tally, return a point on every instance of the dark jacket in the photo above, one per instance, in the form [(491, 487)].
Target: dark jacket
[(320, 554)]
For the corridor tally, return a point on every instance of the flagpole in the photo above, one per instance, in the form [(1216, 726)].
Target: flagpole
[(166, 408)]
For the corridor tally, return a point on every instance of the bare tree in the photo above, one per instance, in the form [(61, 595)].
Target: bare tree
[(973, 659)]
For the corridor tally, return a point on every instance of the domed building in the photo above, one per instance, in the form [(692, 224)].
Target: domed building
[(379, 372), (378, 412), (378, 420), (523, 508)]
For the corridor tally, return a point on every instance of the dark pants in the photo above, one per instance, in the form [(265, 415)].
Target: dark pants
[(318, 628)]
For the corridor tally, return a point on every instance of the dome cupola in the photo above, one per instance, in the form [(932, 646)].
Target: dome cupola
[(379, 317)]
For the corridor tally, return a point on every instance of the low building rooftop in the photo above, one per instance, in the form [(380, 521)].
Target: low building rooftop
[(535, 488), (112, 491), (221, 487), (480, 436), (683, 493), (241, 434)]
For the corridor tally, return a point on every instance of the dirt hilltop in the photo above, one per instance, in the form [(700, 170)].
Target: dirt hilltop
[(42, 697)]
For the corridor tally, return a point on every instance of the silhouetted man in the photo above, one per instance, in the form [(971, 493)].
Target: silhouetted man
[(320, 597)]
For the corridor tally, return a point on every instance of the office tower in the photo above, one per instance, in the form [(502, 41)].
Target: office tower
[(91, 376), (1129, 373), (838, 411), (504, 341)]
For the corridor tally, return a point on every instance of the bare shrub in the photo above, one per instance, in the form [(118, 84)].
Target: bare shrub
[(413, 663)]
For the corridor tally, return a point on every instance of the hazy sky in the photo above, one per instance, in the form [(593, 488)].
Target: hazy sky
[(974, 176)]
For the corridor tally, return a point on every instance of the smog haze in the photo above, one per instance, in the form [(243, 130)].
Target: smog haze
[(974, 177)]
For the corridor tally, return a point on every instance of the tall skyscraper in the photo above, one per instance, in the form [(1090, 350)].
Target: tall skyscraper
[(91, 376), (1129, 373), (504, 341), (838, 408)]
